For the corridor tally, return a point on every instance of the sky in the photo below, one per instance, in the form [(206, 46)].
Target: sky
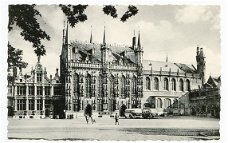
[(166, 30)]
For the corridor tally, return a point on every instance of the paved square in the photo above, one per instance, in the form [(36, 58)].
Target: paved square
[(170, 128)]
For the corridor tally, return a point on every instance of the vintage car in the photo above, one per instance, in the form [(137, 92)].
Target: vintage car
[(133, 113)]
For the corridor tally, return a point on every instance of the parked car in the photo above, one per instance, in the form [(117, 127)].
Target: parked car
[(133, 113), (149, 113)]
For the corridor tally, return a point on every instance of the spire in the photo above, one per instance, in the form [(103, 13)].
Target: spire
[(139, 43), (167, 58), (134, 41), (104, 42), (66, 40), (197, 50), (63, 32), (91, 36)]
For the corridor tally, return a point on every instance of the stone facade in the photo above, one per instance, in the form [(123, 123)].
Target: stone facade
[(206, 100), (35, 95), (106, 78), (110, 77)]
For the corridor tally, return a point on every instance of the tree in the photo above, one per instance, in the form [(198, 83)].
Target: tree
[(25, 17), (15, 58), (15, 61)]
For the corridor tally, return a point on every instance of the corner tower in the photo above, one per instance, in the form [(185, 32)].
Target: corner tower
[(139, 61), (201, 63)]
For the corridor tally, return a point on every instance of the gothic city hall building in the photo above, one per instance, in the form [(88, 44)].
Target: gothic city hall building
[(106, 78)]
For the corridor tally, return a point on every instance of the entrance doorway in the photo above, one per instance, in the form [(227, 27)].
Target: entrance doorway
[(47, 112)]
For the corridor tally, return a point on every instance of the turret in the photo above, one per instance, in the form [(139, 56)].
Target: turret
[(134, 42), (66, 37), (104, 50), (201, 63), (139, 51), (91, 37)]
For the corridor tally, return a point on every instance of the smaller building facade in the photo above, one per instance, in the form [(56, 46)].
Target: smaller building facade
[(206, 100), (35, 95)]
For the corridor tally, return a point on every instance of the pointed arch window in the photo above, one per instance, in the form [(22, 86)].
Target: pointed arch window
[(123, 84), (156, 84), (112, 85), (166, 84), (188, 85), (147, 83), (167, 103), (88, 86), (173, 82), (133, 86), (181, 85), (159, 103)]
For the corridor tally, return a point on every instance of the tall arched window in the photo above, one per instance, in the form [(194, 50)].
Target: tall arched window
[(159, 103), (76, 102), (133, 85), (88, 85), (166, 84), (188, 85), (123, 84), (175, 103), (167, 102), (173, 84), (147, 83), (112, 85), (156, 84), (181, 85)]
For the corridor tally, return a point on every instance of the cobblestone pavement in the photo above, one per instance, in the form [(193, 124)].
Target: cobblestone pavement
[(170, 128)]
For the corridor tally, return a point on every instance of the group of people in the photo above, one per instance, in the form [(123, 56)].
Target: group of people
[(89, 116)]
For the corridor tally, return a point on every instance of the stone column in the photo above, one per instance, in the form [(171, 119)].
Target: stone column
[(43, 104), (15, 98), (35, 100), (52, 91), (27, 101), (43, 99)]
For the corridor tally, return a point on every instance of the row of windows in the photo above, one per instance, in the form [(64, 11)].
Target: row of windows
[(21, 90), (166, 84), (90, 86), (21, 104), (167, 103)]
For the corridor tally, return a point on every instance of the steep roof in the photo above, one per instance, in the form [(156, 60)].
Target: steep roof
[(167, 66), (214, 81), (118, 51)]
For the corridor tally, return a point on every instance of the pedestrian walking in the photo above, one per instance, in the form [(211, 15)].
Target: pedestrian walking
[(86, 117), (117, 119), (92, 119)]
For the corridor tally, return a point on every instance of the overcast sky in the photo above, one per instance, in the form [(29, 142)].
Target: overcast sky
[(173, 30)]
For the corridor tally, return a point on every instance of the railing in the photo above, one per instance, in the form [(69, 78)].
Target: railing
[(120, 67), (83, 65)]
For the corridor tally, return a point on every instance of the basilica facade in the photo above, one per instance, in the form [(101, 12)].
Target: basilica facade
[(111, 77)]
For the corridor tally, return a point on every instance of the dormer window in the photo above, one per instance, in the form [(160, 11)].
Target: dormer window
[(39, 77)]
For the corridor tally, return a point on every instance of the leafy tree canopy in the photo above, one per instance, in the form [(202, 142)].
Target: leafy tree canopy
[(14, 58), (25, 17)]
